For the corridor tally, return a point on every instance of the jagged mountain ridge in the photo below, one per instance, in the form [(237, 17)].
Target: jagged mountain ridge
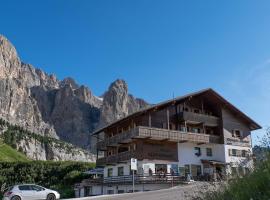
[(60, 109)]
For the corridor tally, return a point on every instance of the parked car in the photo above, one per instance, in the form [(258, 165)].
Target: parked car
[(30, 192)]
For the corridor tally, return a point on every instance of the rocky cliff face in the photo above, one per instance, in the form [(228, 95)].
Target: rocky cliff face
[(50, 107), (117, 103)]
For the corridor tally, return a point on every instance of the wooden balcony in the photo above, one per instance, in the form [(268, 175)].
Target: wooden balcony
[(118, 158), (156, 134), (192, 117)]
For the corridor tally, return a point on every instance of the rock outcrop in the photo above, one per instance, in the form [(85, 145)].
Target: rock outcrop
[(117, 103), (64, 110)]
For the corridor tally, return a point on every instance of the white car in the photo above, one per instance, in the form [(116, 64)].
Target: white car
[(30, 192)]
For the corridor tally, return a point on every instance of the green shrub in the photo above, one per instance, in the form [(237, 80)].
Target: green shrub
[(55, 175)]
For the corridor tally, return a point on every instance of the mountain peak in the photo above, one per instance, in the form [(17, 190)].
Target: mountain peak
[(69, 81), (9, 61), (119, 85)]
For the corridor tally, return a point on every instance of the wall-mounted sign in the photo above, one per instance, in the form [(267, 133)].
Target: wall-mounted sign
[(133, 164)]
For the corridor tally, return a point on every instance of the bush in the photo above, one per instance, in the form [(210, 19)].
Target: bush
[(254, 186), (54, 175)]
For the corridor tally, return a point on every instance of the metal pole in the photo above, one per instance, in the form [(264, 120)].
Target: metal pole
[(133, 185)]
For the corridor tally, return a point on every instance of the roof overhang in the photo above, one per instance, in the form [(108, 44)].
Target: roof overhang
[(252, 124)]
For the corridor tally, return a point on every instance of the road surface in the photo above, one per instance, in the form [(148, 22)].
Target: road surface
[(184, 192)]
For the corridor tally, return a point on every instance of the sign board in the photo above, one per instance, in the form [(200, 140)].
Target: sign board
[(133, 163)]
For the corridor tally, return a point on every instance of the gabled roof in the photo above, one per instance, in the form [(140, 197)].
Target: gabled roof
[(253, 125)]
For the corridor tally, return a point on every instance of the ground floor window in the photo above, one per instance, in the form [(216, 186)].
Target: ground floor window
[(121, 191), (120, 171), (187, 169), (182, 171), (88, 191), (196, 170), (110, 172)]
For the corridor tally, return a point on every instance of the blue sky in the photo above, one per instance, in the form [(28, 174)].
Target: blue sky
[(158, 47)]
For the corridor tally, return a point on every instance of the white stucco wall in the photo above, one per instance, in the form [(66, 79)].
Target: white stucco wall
[(241, 161), (186, 153), (141, 165)]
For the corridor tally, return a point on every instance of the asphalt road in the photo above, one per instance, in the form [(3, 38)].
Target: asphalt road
[(184, 192)]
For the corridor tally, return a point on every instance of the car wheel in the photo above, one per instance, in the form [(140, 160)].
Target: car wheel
[(51, 197), (16, 198)]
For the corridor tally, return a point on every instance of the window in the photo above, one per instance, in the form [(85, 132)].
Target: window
[(197, 151), (209, 152), (237, 153), (196, 130), (183, 128), (196, 170), (110, 172), (187, 169), (244, 153), (236, 133), (36, 188), (121, 191), (234, 152), (24, 187), (120, 171)]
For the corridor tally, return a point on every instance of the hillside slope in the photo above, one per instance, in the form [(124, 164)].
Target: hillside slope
[(8, 154), (38, 147)]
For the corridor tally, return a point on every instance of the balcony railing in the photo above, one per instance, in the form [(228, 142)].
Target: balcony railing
[(117, 158), (157, 134), (207, 120), (138, 179)]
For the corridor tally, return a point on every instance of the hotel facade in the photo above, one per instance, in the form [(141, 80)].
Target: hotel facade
[(200, 135)]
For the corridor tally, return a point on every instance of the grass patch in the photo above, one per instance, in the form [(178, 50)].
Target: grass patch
[(8, 154)]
